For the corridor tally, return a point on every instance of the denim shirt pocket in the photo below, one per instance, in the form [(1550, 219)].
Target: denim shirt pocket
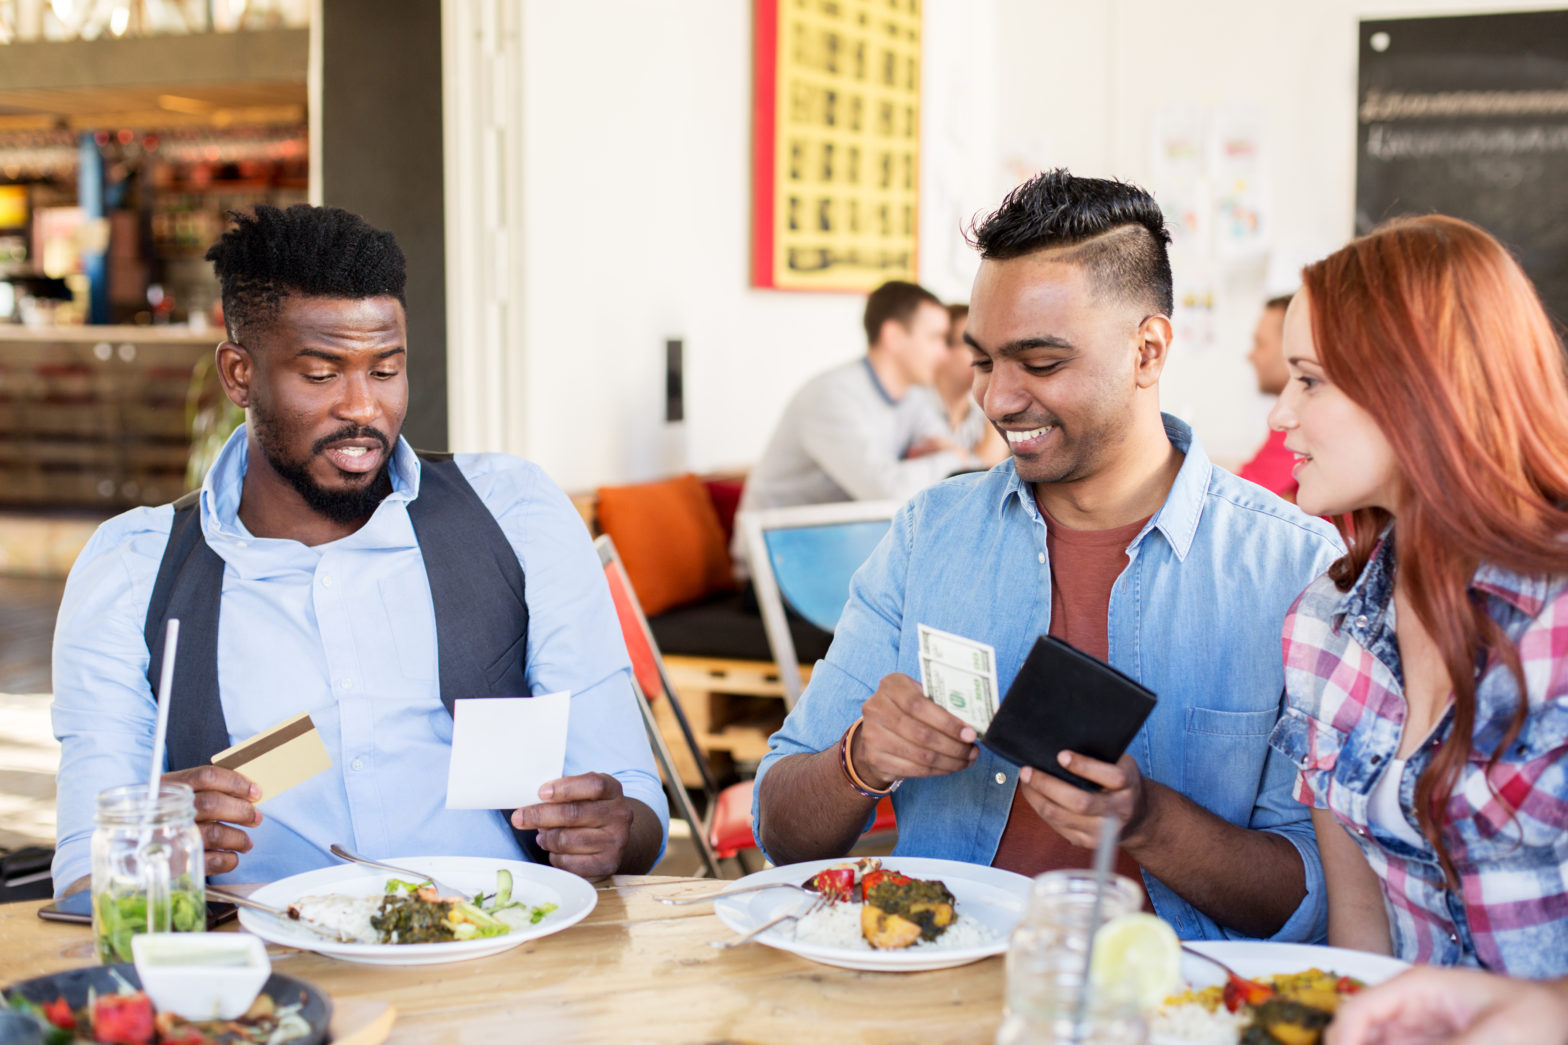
[(1312, 747), (1223, 757), (1526, 827)]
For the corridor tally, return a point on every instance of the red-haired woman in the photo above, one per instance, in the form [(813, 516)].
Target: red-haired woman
[(1426, 673)]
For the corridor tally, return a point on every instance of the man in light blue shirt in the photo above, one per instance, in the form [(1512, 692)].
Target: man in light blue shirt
[(1069, 332), (313, 513)]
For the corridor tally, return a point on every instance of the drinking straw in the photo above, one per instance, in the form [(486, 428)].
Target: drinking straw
[(171, 639), (155, 875), (1104, 853)]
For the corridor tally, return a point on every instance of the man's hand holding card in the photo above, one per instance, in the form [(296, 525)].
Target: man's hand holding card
[(242, 777)]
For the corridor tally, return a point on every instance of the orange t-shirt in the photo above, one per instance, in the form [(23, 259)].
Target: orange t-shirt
[(1084, 567)]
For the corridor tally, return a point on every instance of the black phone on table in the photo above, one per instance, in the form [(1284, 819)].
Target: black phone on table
[(78, 909)]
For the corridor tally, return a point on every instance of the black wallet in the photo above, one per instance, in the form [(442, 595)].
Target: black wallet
[(1065, 700)]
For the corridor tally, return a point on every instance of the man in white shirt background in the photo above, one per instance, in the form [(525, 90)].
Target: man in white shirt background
[(869, 429)]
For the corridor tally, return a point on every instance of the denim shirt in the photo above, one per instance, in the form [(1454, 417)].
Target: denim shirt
[(1195, 616)]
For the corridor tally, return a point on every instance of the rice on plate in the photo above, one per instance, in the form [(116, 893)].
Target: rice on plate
[(838, 925), (1192, 1024)]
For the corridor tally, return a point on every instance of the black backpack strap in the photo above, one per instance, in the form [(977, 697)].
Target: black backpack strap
[(477, 587), (190, 587)]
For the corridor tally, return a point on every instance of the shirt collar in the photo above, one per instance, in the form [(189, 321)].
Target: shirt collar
[(1373, 591), (225, 481), (1178, 518), (876, 382), (1528, 594)]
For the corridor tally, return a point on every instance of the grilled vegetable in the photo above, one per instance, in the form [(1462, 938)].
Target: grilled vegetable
[(1282, 1022), (898, 914)]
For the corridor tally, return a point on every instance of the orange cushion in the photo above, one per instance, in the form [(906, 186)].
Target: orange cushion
[(670, 540)]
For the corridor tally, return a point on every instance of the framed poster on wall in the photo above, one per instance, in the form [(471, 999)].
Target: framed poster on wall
[(835, 143)]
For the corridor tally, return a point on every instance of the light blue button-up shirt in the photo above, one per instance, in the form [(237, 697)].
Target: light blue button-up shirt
[(345, 631), (1195, 616)]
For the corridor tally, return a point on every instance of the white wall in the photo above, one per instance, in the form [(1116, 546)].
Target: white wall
[(1078, 86), (635, 122)]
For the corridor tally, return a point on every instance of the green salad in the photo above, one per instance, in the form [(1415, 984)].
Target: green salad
[(119, 914), (412, 912)]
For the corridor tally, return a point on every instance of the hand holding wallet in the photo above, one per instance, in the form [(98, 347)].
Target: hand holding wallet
[(1065, 700)]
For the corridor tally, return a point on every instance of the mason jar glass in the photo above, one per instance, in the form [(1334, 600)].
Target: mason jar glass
[(148, 867), (1045, 967)]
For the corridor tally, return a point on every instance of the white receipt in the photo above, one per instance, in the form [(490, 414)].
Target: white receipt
[(504, 749)]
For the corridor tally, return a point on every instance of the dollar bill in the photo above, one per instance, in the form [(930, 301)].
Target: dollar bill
[(957, 650), (970, 695)]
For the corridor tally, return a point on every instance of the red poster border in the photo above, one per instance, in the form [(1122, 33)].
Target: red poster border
[(764, 114)]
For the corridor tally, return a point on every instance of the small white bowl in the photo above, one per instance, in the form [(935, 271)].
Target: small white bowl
[(201, 976)]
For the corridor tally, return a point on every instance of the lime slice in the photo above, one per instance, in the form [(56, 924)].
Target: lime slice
[(1137, 954)]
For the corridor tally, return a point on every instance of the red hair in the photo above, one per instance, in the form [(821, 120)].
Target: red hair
[(1430, 326)]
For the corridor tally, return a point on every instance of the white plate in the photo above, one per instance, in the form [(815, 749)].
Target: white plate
[(1256, 958), (992, 897), (533, 884)]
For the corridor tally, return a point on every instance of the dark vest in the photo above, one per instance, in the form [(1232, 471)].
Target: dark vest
[(476, 585)]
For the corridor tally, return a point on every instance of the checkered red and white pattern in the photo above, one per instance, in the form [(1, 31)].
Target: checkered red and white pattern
[(1507, 827)]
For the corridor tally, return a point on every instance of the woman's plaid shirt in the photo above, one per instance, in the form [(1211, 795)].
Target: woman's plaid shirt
[(1507, 829)]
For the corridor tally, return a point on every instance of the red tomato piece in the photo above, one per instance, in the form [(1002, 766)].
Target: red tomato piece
[(123, 1019), (1240, 992), (58, 1012)]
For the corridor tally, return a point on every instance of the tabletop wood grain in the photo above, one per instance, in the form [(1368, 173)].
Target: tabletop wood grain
[(634, 970)]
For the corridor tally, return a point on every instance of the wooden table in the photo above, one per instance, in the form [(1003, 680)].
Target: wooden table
[(634, 970)]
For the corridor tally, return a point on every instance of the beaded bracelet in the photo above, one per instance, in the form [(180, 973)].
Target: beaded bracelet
[(866, 790)]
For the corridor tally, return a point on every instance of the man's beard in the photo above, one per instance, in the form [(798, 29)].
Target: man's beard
[(351, 505)]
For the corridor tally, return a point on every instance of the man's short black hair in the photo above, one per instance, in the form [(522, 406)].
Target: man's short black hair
[(268, 254), (897, 300), (1114, 230)]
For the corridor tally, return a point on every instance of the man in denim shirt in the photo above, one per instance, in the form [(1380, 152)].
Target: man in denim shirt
[(1111, 529)]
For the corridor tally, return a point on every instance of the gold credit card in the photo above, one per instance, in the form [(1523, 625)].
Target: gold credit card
[(276, 759)]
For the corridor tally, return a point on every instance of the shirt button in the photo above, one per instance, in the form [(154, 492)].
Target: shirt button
[(1042, 558), (345, 683), (1001, 778), (1361, 621), (326, 582), (1453, 937), (242, 544), (357, 764)]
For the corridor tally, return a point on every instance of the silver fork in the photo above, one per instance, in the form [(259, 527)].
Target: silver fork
[(292, 917), (419, 876), (712, 897), (817, 904)]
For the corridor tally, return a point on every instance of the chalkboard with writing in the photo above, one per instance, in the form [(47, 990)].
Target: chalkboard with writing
[(1469, 116)]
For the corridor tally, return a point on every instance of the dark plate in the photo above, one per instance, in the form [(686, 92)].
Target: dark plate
[(75, 983)]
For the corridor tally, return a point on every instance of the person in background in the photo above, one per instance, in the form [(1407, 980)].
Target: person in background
[(1110, 529), (310, 574), (1427, 1006), (870, 429), (1270, 467), (1426, 672), (955, 380)]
